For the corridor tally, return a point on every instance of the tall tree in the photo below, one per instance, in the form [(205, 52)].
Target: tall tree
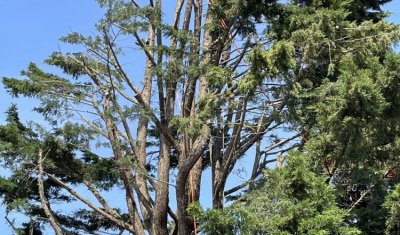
[(212, 90), (346, 72), (200, 101)]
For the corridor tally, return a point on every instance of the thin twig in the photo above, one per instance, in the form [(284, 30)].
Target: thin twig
[(360, 199)]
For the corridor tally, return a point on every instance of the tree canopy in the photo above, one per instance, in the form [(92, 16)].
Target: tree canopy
[(153, 100)]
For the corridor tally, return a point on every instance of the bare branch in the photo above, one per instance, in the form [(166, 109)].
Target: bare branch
[(163, 129), (238, 187), (11, 223), (280, 143), (361, 198), (44, 202), (100, 198), (110, 217)]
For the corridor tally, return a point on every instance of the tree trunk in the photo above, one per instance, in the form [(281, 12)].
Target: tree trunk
[(141, 180), (184, 223), (160, 219)]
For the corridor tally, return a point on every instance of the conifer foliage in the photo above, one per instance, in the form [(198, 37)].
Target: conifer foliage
[(155, 98)]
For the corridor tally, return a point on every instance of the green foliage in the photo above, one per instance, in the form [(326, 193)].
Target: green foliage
[(280, 58), (229, 221), (244, 14), (354, 112), (392, 203), (334, 71), (189, 126), (367, 10), (347, 105), (19, 145), (208, 105), (39, 82), (290, 200), (217, 76)]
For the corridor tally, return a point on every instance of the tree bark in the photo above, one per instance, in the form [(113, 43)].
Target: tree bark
[(141, 153), (43, 200), (160, 220)]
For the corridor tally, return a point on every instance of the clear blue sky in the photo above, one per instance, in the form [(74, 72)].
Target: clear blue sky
[(30, 30)]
